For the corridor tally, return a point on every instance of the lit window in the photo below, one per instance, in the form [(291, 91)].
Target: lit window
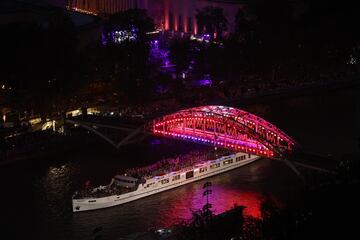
[(216, 165), (175, 178), (227, 162)]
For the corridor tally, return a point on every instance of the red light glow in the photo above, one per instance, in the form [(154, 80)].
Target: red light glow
[(224, 126)]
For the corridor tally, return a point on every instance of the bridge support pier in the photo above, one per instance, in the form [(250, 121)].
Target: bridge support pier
[(293, 167), (130, 138)]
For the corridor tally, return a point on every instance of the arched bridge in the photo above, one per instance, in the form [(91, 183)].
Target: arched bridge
[(220, 126), (225, 127)]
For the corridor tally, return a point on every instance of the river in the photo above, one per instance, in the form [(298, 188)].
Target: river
[(36, 196)]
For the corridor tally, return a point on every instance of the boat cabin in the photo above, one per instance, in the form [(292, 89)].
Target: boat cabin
[(125, 181)]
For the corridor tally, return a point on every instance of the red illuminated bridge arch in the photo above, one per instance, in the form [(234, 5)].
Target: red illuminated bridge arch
[(225, 127)]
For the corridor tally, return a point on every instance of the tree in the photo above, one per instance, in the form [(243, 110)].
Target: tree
[(245, 24), (211, 60), (273, 16), (40, 62), (270, 26), (271, 219), (327, 30), (211, 20), (180, 54), (129, 69)]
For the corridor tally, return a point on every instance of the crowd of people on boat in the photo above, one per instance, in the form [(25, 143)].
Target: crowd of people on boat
[(102, 191), (176, 163), (159, 168)]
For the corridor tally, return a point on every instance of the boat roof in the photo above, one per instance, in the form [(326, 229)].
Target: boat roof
[(123, 177)]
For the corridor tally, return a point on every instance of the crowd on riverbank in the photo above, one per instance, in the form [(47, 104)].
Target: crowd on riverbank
[(220, 94), (247, 88)]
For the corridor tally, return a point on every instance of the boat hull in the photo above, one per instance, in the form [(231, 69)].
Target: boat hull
[(80, 205)]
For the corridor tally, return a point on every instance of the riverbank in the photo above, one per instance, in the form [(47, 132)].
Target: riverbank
[(164, 107), (309, 89), (37, 146)]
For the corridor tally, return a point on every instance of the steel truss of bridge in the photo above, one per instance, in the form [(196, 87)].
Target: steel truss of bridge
[(225, 127)]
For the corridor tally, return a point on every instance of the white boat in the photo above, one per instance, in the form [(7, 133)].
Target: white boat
[(128, 188)]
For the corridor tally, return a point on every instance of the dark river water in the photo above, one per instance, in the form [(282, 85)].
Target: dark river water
[(36, 197)]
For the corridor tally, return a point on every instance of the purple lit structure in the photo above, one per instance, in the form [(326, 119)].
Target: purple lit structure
[(204, 82), (161, 56), (120, 36), (206, 37)]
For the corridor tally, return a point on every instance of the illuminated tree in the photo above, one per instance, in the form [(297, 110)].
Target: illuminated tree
[(132, 20)]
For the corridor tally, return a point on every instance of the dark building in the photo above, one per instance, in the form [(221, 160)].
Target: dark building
[(177, 15), (88, 26)]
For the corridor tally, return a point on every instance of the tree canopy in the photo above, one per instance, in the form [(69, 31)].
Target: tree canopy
[(211, 20), (132, 19), (40, 59)]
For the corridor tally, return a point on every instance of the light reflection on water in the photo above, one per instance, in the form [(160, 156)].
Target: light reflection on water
[(188, 199), (244, 186), (50, 189)]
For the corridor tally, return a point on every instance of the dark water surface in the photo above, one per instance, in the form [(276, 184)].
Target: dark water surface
[(327, 123), (36, 197)]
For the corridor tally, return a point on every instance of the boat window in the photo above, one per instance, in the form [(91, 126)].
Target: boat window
[(164, 181), (177, 177), (204, 169), (189, 174), (215, 165), (227, 162)]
